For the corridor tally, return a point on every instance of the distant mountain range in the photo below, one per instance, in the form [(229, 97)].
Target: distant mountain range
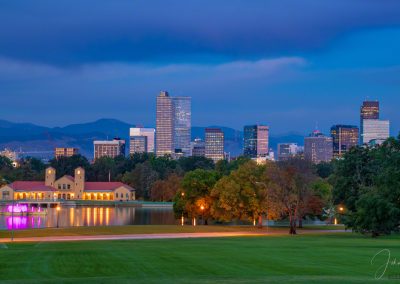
[(40, 141)]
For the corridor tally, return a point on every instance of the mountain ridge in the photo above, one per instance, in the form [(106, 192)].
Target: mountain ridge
[(30, 137)]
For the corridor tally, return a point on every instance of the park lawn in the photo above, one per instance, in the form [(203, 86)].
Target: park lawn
[(145, 229), (328, 258)]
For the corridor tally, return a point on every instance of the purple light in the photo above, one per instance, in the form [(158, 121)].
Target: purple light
[(17, 223), (23, 208)]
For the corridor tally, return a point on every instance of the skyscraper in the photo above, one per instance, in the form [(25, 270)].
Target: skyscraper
[(182, 124), (371, 128), (368, 110), (141, 140), (344, 138), (318, 148), (111, 149), (214, 148), (375, 130), (164, 125), (256, 140), (173, 125)]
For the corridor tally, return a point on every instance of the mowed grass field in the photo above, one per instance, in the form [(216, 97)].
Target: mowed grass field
[(328, 258)]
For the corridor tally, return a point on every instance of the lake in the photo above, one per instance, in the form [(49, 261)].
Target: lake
[(91, 216)]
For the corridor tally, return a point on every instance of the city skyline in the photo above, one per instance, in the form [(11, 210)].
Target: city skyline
[(261, 71)]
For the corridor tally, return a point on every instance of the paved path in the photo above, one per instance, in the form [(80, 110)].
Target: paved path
[(162, 236)]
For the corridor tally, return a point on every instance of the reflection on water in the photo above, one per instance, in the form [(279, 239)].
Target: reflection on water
[(91, 216)]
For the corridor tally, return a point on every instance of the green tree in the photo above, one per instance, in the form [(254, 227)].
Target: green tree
[(194, 198), (188, 164), (67, 165), (142, 178), (243, 195), (103, 169)]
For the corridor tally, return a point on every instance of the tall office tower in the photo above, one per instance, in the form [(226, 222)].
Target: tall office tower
[(214, 148), (288, 150), (375, 131), (141, 140), (256, 141), (198, 148), (344, 138), (182, 124), (318, 148), (65, 152), (368, 110), (164, 125), (111, 149)]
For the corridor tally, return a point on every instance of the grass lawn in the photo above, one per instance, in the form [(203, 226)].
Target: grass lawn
[(331, 258), (146, 229)]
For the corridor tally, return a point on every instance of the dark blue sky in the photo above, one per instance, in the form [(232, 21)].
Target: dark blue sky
[(289, 64)]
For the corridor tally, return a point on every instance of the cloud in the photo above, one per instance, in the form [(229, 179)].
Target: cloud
[(78, 32)]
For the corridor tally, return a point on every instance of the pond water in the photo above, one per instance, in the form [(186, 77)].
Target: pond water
[(90, 216)]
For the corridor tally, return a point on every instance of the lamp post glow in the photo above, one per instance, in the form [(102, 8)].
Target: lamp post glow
[(58, 214), (202, 213)]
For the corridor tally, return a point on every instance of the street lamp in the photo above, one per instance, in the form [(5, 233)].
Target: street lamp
[(182, 218), (202, 213), (58, 214)]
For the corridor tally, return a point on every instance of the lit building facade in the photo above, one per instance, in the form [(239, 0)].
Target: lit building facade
[(66, 188), (318, 148), (288, 150), (198, 148), (109, 149), (182, 124), (369, 110), (141, 140), (164, 125), (375, 130), (344, 138), (65, 152), (214, 144), (256, 141)]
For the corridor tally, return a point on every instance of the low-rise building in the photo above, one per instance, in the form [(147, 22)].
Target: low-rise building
[(65, 152), (66, 188)]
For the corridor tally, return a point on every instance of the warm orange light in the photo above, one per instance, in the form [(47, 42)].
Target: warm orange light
[(49, 172), (341, 209), (58, 208), (183, 194), (202, 207)]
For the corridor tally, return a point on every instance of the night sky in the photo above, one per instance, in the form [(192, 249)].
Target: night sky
[(288, 64)]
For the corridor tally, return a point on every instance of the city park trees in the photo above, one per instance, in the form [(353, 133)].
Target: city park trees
[(278, 190), (367, 184)]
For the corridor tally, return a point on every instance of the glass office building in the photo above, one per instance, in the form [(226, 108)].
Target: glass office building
[(214, 144), (256, 141), (182, 124), (344, 138)]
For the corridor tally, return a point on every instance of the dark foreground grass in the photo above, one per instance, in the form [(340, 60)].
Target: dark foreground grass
[(335, 258), (145, 229)]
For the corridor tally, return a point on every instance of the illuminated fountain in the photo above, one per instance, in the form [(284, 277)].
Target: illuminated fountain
[(17, 209), (23, 209)]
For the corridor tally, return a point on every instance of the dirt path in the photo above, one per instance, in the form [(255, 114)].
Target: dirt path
[(161, 236)]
